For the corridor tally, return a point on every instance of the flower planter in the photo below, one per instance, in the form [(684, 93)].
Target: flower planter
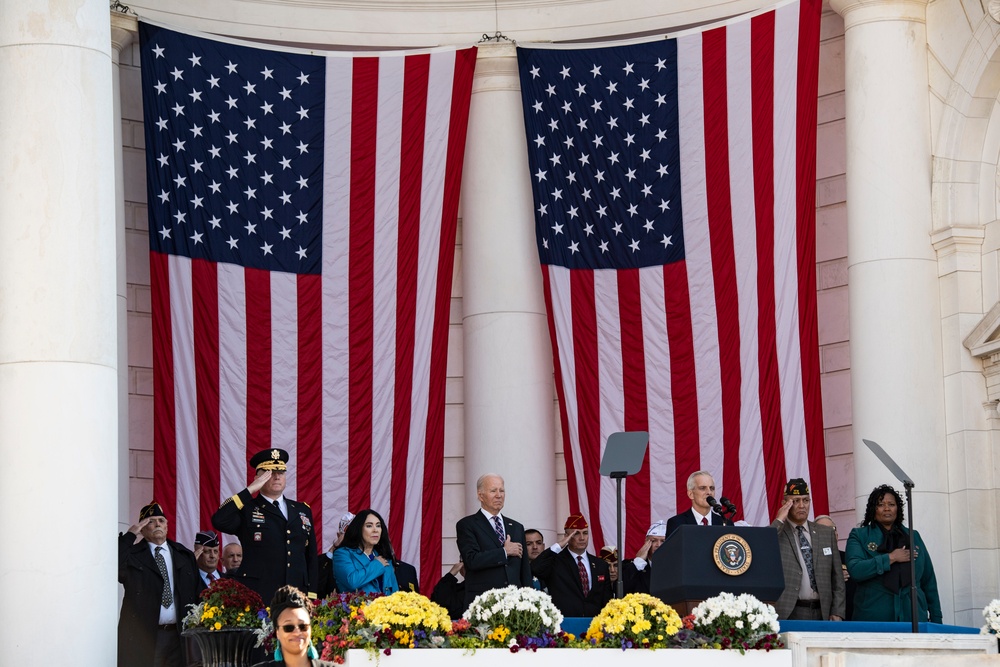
[(594, 657), (223, 648)]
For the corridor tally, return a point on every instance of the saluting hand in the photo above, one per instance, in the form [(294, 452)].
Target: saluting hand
[(782, 514), (567, 537), (512, 548), (643, 551), (136, 529), (258, 483)]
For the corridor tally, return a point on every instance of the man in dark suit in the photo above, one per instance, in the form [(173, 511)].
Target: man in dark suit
[(160, 579), (700, 486), (814, 579), (406, 576), (491, 545), (206, 555), (579, 583), (279, 543)]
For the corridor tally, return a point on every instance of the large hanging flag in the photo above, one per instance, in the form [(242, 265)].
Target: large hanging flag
[(674, 185), (302, 218)]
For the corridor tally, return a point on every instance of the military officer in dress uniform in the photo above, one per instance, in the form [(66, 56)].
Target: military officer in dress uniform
[(279, 542)]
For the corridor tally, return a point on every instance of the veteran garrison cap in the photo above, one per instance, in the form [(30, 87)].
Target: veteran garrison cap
[(609, 553), (151, 510), (206, 538), (797, 487), (658, 529), (575, 522), (270, 459)]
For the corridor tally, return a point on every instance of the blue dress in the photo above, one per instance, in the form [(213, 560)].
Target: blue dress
[(355, 572)]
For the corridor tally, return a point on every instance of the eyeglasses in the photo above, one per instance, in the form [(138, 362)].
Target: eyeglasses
[(290, 627)]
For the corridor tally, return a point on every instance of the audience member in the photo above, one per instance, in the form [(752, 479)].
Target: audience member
[(160, 579), (291, 615), (878, 558), (636, 572), (206, 554), (579, 583), (363, 561), (279, 544), (449, 592), (491, 545), (232, 556), (814, 579)]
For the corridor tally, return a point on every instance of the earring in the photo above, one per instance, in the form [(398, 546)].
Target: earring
[(277, 654), (312, 653)]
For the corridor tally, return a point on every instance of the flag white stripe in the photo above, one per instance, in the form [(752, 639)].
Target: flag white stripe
[(185, 397), (284, 372), (697, 246), (232, 379), (610, 371), (387, 169), (336, 214), (656, 347)]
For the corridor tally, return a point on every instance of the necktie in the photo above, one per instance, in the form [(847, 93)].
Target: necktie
[(498, 528), (807, 555), (211, 577), (704, 521), (166, 599), (584, 581)]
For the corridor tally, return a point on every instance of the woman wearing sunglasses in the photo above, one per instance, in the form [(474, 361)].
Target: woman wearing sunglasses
[(291, 615)]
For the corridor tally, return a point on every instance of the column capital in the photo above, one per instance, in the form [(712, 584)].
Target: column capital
[(496, 67), (124, 29), (857, 12)]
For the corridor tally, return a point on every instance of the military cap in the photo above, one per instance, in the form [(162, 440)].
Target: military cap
[(206, 538), (797, 487), (151, 510), (270, 459)]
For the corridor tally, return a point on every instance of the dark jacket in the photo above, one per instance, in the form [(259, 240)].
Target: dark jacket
[(140, 615), (687, 519), (450, 594), (276, 552), (486, 563), (562, 577)]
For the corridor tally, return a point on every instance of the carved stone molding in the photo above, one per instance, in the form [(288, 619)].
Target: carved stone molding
[(993, 7)]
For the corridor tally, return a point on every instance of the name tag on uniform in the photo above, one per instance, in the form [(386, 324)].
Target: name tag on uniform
[(827, 551)]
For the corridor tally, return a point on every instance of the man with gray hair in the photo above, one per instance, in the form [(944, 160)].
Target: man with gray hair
[(491, 545), (700, 486)]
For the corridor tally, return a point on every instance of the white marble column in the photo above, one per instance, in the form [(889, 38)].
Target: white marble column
[(508, 392), (897, 385), (124, 29), (58, 353)]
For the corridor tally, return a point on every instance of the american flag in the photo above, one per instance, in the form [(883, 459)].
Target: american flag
[(302, 219), (674, 203)]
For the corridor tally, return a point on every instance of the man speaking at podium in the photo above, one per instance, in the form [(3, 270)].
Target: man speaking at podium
[(814, 580), (700, 487)]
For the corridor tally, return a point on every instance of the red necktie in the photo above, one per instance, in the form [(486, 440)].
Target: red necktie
[(584, 581), (704, 521)]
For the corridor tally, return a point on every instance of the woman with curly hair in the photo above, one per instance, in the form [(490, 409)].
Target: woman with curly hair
[(878, 559), (291, 614), (363, 563)]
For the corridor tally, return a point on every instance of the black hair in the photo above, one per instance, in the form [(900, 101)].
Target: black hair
[(532, 530), (289, 597), (353, 535), (875, 497)]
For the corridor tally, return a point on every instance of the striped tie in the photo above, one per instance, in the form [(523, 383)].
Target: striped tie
[(498, 528)]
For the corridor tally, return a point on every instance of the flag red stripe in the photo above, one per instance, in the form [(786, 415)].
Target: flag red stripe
[(584, 314), (364, 130), (808, 74), (636, 410), (571, 481), (720, 224), (683, 379), (762, 90), (414, 116), (430, 537), (164, 433), (258, 294), (309, 429), (205, 286)]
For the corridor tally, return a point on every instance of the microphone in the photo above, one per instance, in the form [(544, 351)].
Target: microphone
[(714, 504), (728, 504)]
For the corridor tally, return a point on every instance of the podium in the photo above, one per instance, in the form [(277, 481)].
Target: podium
[(699, 562)]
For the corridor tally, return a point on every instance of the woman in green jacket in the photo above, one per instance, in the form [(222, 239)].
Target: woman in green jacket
[(878, 559)]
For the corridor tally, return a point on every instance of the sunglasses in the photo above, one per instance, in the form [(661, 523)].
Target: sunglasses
[(290, 627)]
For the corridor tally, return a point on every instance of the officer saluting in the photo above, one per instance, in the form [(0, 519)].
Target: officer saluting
[(276, 532)]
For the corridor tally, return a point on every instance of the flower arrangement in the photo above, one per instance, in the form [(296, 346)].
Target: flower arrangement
[(742, 622), (992, 615), (405, 620), (638, 620), (226, 605), (521, 612), (335, 623)]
